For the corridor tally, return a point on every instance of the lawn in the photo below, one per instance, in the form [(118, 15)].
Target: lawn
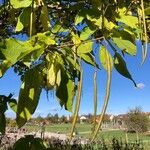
[(84, 130)]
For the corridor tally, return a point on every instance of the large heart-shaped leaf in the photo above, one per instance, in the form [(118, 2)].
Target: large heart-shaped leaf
[(14, 51), (29, 96), (65, 91), (120, 66), (125, 46)]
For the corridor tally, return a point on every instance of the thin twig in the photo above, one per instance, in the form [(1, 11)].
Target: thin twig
[(72, 44)]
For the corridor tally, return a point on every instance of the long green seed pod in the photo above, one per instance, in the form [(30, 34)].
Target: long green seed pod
[(144, 51), (95, 101), (31, 19), (78, 99), (105, 100)]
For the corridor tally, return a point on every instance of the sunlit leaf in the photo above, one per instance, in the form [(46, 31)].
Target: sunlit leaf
[(20, 3), (125, 46), (103, 54), (86, 33), (85, 47), (78, 19), (14, 51), (128, 19), (28, 96), (58, 28), (75, 38)]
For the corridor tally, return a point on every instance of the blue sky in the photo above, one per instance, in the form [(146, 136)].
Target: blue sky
[(123, 93)]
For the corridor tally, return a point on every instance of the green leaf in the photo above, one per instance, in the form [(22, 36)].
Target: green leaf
[(94, 15), (88, 58), (29, 96), (22, 144), (58, 28), (44, 18), (4, 66), (123, 34), (96, 3), (125, 46), (37, 144), (14, 51), (103, 54), (85, 47), (120, 66), (20, 3), (51, 76), (72, 63), (13, 104), (23, 19), (2, 122), (65, 91), (86, 33), (147, 11), (43, 38), (75, 38), (78, 19), (128, 19)]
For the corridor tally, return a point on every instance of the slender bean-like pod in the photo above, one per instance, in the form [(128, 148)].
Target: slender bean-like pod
[(95, 100), (144, 50), (31, 19), (77, 106), (139, 20), (106, 98)]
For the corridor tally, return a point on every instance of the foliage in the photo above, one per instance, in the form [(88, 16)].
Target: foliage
[(136, 120), (60, 35)]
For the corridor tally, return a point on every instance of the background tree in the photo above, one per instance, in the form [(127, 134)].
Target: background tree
[(136, 120)]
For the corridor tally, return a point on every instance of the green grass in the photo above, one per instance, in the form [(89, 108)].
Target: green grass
[(84, 130)]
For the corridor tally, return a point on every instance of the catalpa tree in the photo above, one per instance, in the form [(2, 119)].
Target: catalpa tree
[(60, 35)]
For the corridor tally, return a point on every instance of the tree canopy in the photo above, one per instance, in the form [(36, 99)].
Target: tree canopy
[(60, 34)]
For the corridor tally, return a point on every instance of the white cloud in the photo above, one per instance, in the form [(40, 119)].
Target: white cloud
[(54, 109), (140, 86)]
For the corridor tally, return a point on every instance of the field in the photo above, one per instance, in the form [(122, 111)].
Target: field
[(84, 130)]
